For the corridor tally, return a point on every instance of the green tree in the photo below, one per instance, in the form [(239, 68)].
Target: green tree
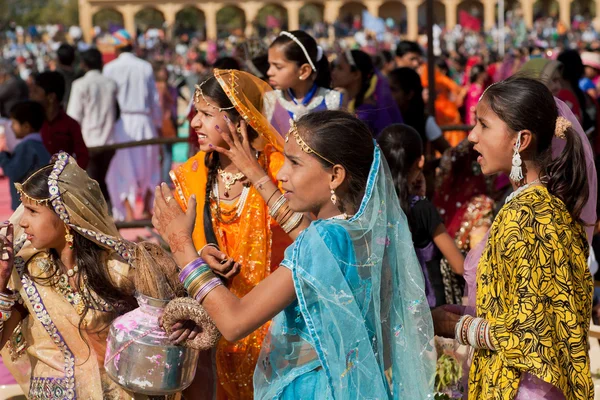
[(33, 12)]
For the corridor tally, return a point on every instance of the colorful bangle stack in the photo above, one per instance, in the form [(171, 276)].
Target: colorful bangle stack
[(474, 332), (198, 279), (7, 302), (286, 218)]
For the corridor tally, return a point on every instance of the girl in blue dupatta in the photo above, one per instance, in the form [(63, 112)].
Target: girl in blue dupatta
[(348, 301)]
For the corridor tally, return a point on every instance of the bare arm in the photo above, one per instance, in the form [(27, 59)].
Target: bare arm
[(236, 318), (444, 242)]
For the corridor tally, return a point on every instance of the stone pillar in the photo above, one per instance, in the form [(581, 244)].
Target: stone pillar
[(251, 9), (564, 12), (412, 19), (210, 16), (169, 12), (332, 11), (128, 11), (451, 7), (373, 6), (489, 14), (596, 21), (293, 14), (85, 20), (527, 6)]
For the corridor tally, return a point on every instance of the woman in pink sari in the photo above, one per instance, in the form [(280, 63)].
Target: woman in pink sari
[(478, 77)]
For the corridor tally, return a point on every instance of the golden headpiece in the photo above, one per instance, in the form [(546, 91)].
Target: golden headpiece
[(303, 145)]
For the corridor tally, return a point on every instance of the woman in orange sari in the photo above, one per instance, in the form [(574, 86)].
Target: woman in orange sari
[(448, 98), (234, 230)]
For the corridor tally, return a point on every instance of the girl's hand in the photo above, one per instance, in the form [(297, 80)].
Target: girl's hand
[(174, 225), (240, 152), (182, 331), (219, 263), (6, 253)]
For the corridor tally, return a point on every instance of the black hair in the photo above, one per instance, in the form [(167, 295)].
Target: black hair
[(92, 59), (294, 53), (345, 140), (30, 112), (382, 58), (262, 65), (201, 60), (402, 147), (90, 258), (213, 90), (406, 46), (128, 48), (476, 70), (51, 82), (572, 72), (364, 64), (66, 54), (442, 65), (409, 81), (527, 104), (227, 63)]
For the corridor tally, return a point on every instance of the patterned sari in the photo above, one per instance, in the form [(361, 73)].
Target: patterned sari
[(535, 289)]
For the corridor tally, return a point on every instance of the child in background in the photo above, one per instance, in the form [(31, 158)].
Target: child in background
[(30, 154), (299, 71), (59, 132), (403, 149)]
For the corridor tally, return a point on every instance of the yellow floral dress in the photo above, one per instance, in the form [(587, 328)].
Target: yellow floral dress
[(535, 289)]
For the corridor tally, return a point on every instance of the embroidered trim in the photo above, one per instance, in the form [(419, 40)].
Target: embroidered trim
[(62, 159), (47, 388)]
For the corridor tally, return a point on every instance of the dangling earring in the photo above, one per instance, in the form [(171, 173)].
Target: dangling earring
[(516, 173), (333, 197), (69, 239)]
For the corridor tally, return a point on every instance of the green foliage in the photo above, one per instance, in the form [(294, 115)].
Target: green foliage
[(34, 12), (271, 9), (107, 16), (149, 18)]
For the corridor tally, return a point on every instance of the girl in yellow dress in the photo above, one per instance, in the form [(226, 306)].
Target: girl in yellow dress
[(533, 287)]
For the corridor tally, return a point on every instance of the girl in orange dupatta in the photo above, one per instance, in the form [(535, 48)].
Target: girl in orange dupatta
[(234, 230)]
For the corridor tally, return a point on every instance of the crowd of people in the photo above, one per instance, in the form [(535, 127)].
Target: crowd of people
[(333, 230)]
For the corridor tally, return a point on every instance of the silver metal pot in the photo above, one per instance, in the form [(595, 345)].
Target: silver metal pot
[(139, 356)]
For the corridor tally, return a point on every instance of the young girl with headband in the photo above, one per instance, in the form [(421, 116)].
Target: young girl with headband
[(530, 289), (369, 93), (348, 300), (299, 71)]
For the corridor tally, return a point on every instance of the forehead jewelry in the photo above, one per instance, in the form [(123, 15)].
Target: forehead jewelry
[(199, 93), (301, 143)]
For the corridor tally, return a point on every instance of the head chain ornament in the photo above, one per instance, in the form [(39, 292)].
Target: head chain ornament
[(299, 43), (301, 143), (562, 125), (199, 93)]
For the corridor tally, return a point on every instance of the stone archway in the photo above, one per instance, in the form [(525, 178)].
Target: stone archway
[(394, 11), (148, 18), (583, 8), (473, 13), (545, 9), (439, 14), (351, 14), (272, 17), (108, 19), (230, 19), (310, 14), (190, 20)]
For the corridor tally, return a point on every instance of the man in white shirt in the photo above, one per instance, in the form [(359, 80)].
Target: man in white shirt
[(93, 103), (134, 171)]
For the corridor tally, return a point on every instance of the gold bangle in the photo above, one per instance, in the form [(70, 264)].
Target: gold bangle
[(292, 223), (198, 281), (284, 214), (278, 203)]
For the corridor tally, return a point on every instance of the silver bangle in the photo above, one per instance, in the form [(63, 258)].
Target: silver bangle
[(207, 245)]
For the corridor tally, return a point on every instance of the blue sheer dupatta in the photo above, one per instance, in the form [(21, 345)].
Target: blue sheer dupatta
[(361, 308)]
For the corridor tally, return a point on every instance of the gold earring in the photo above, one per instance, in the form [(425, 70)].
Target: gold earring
[(69, 239), (333, 197), (301, 78)]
